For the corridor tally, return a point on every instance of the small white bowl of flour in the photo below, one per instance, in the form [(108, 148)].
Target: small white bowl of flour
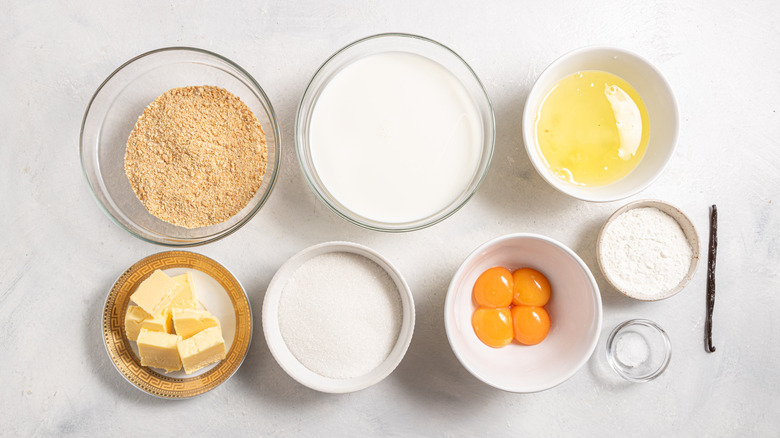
[(648, 250)]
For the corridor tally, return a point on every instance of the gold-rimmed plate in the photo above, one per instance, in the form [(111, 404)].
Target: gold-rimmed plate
[(218, 291)]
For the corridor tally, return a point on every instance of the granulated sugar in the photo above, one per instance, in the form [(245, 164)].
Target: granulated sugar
[(632, 350), (340, 315), (644, 251)]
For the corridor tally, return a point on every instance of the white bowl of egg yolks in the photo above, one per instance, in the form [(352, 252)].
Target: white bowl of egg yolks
[(659, 119), (574, 309)]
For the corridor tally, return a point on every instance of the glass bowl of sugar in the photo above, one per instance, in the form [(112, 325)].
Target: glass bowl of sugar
[(395, 132), (639, 350)]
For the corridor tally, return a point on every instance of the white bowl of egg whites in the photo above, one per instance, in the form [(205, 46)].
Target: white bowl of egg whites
[(658, 100)]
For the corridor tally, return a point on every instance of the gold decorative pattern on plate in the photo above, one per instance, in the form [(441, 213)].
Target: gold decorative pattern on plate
[(119, 348)]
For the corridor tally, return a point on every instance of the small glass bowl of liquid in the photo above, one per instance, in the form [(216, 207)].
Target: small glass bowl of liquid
[(600, 124)]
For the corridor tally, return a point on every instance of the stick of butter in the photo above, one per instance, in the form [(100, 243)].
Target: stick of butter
[(155, 293), (202, 349), (188, 322), (159, 350)]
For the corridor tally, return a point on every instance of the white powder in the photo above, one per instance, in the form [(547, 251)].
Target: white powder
[(644, 251), (632, 350), (340, 315)]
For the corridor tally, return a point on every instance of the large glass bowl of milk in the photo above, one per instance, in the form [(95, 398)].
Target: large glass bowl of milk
[(395, 132)]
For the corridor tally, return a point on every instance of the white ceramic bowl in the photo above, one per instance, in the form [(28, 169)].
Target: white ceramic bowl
[(291, 364), (574, 308), (690, 234), (656, 94)]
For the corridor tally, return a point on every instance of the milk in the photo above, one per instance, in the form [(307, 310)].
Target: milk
[(395, 137)]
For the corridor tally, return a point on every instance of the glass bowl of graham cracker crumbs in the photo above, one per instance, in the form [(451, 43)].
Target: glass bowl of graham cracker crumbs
[(180, 146)]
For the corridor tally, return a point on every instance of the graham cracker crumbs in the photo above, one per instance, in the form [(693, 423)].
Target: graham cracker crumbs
[(196, 156)]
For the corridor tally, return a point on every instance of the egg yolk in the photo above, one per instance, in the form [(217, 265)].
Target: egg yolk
[(493, 326), (531, 324), (494, 288), (531, 288)]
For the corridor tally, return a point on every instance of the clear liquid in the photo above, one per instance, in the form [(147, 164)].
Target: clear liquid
[(592, 128)]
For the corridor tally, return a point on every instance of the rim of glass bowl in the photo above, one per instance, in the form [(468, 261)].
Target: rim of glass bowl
[(255, 88), (646, 323), (304, 160)]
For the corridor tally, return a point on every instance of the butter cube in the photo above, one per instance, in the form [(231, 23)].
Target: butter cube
[(134, 319), (202, 349), (188, 322), (159, 323), (185, 296), (155, 293), (159, 350)]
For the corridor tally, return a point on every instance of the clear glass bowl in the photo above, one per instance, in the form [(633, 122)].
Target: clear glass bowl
[(113, 112), (639, 350), (394, 42)]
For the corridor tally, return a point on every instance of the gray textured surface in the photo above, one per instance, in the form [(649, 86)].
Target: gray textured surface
[(60, 254)]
